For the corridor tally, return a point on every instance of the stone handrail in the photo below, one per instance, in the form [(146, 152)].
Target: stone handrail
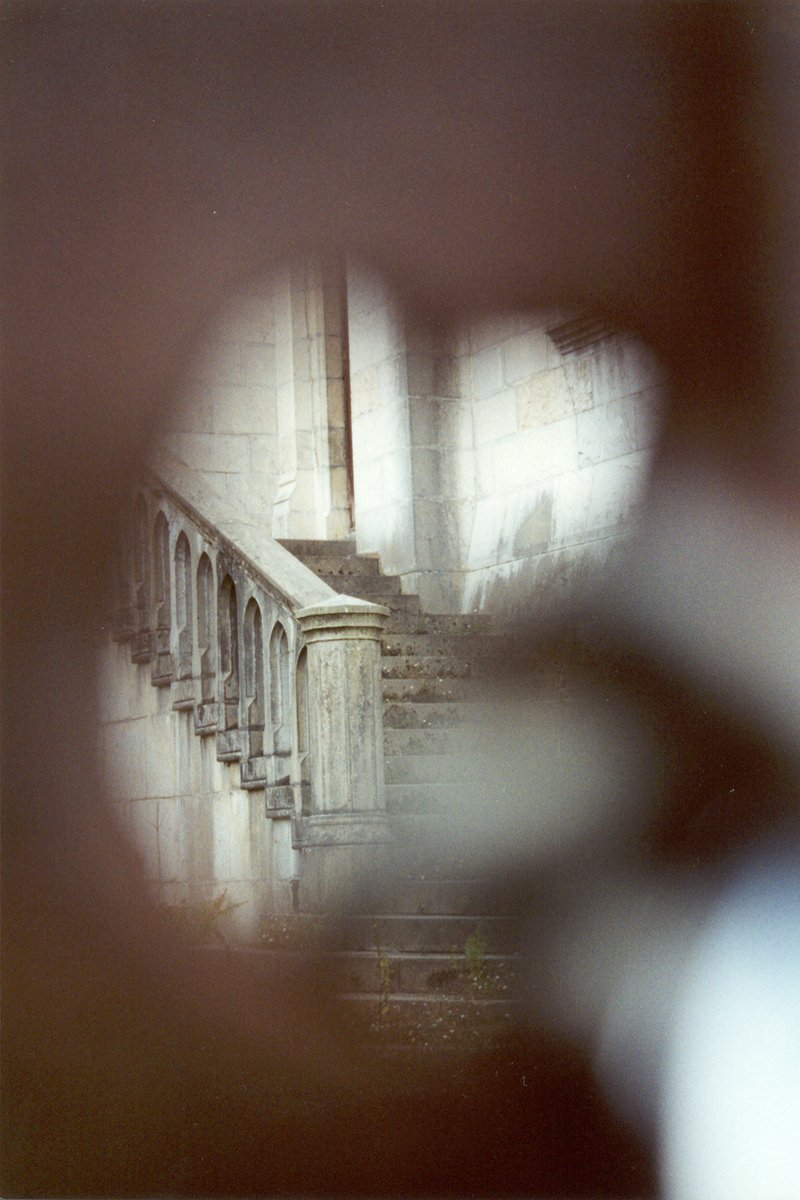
[(283, 671)]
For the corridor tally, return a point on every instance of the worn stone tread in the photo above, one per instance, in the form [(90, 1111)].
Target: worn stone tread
[(429, 769), (405, 715), (367, 587)]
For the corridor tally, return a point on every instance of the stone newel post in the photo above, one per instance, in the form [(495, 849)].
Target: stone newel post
[(342, 834)]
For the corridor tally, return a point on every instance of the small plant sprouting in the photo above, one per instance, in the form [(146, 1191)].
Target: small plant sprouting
[(475, 955)]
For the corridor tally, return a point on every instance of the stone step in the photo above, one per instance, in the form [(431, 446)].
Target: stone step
[(405, 715), (430, 846), (435, 769), (431, 691), (469, 647), (402, 605), (476, 976), (423, 798), (438, 742), (437, 623), (351, 566), (430, 934), (366, 587), (424, 666), (309, 548)]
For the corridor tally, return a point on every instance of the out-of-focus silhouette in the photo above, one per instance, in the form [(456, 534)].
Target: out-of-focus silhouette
[(638, 161)]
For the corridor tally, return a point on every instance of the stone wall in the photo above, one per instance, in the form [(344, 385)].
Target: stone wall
[(198, 832), (263, 417), (562, 441), (226, 429), (491, 468)]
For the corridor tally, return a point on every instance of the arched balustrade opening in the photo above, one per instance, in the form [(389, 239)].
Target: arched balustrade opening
[(302, 717), (254, 689), (280, 702), (183, 606), (228, 627), (205, 630), (162, 667)]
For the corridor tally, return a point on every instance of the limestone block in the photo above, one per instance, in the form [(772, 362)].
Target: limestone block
[(531, 518), (197, 820), (125, 760), (368, 484), (389, 531), (616, 491), (195, 406), (183, 777), (170, 858), (436, 534), (263, 454), (621, 366), (374, 335), (543, 398), (579, 378), (488, 331), (536, 455), (441, 422), (334, 389), (301, 359), (428, 473), (219, 362), (496, 417), (591, 434), (484, 469), (215, 453), (156, 744), (284, 858), (460, 473), (258, 364), (572, 498), (487, 372), (439, 591), (364, 394), (144, 829), (222, 834), (240, 805), (488, 530), (333, 355), (524, 355), (251, 317), (432, 373), (245, 409)]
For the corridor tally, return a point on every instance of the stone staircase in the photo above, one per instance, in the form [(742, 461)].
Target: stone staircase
[(427, 956)]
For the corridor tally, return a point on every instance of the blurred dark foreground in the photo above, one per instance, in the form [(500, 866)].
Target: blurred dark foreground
[(640, 160)]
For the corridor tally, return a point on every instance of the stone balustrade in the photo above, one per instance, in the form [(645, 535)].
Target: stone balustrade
[(278, 668)]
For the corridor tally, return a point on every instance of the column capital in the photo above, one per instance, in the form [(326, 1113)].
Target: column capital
[(342, 618)]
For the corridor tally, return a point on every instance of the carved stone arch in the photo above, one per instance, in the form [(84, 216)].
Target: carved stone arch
[(228, 634), (254, 684), (280, 699), (206, 637), (162, 601), (303, 726), (184, 606)]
